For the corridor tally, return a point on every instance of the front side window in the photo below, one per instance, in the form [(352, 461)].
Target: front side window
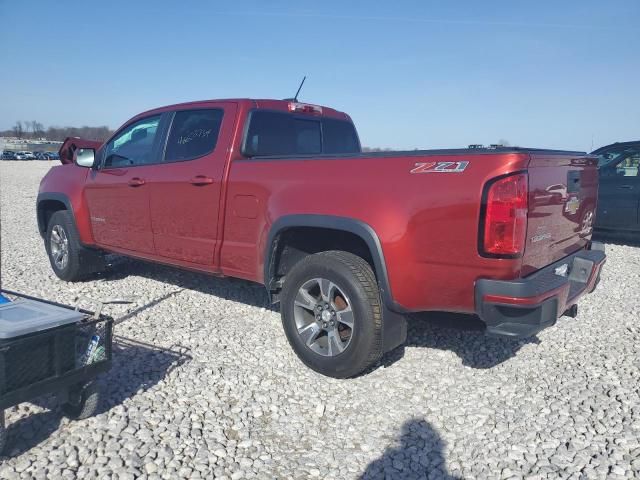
[(133, 145), (194, 133)]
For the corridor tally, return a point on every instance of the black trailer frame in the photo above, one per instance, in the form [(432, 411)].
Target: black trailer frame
[(71, 383)]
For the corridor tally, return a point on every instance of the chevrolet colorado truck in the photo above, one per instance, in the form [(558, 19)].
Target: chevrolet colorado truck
[(278, 192)]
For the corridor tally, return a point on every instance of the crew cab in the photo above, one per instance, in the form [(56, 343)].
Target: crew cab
[(278, 192)]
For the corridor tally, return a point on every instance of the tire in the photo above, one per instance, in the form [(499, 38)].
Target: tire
[(337, 350), (80, 262), (88, 403)]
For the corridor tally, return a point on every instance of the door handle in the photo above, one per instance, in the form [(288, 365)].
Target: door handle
[(136, 182), (199, 180), (626, 187)]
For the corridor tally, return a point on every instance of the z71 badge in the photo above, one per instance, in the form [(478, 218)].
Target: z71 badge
[(440, 167)]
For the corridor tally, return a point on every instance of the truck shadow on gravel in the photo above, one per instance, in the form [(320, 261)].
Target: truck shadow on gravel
[(618, 238), (418, 453), (137, 366), (463, 335), (233, 289)]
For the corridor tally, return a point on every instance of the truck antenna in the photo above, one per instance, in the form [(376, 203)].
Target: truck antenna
[(295, 99)]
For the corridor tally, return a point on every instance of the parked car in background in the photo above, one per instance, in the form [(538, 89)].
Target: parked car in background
[(42, 155), (619, 189), (20, 156), (52, 156), (279, 192), (26, 155), (9, 155)]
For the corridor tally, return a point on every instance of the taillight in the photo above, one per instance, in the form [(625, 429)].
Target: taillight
[(504, 226)]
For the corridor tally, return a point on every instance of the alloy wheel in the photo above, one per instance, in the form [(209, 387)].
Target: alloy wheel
[(59, 247), (324, 317)]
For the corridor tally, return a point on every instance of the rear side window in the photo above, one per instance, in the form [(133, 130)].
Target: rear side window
[(276, 133), (339, 137), (194, 133)]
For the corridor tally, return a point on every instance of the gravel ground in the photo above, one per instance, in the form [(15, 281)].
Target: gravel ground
[(204, 384)]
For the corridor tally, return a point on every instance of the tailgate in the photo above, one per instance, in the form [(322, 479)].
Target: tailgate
[(563, 189)]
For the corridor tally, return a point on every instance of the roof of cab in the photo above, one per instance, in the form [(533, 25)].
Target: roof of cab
[(616, 145), (249, 103)]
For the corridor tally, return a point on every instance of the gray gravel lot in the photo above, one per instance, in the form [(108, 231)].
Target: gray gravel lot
[(204, 384)]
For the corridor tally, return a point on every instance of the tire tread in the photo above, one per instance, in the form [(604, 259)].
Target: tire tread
[(364, 273)]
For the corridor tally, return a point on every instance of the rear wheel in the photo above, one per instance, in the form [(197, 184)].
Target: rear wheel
[(69, 260), (332, 315)]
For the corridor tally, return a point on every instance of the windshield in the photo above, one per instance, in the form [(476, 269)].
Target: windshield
[(607, 157), (623, 162)]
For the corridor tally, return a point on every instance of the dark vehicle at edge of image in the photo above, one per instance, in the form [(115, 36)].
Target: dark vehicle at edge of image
[(619, 188)]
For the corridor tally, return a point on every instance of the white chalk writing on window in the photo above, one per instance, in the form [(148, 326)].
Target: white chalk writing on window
[(198, 133)]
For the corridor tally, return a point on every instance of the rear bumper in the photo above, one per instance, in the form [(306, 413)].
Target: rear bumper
[(522, 307)]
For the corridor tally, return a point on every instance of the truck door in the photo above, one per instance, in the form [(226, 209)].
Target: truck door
[(117, 194), (185, 188), (619, 193)]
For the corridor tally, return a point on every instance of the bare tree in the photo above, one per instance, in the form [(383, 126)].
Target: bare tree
[(36, 129), (33, 125), (17, 129), (377, 149), (90, 133)]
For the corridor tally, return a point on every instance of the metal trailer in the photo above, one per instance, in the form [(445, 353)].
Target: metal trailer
[(51, 348)]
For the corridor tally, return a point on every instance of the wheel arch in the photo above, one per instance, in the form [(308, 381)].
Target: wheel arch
[(394, 321), (49, 203), (358, 228)]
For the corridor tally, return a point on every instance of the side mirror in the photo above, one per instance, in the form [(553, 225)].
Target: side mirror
[(85, 157)]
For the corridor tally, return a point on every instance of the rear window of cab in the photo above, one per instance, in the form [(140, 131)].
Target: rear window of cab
[(273, 133)]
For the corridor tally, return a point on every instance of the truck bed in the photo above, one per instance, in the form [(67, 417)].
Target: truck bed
[(430, 152)]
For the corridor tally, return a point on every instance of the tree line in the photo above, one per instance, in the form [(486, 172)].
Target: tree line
[(35, 130)]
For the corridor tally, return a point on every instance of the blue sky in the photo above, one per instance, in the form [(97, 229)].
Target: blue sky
[(412, 74)]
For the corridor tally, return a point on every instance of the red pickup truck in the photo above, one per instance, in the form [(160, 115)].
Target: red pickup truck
[(349, 243)]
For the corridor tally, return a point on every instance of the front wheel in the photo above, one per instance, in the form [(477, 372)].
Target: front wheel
[(332, 314), (69, 260)]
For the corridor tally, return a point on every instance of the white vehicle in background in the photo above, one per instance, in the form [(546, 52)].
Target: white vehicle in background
[(25, 155)]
